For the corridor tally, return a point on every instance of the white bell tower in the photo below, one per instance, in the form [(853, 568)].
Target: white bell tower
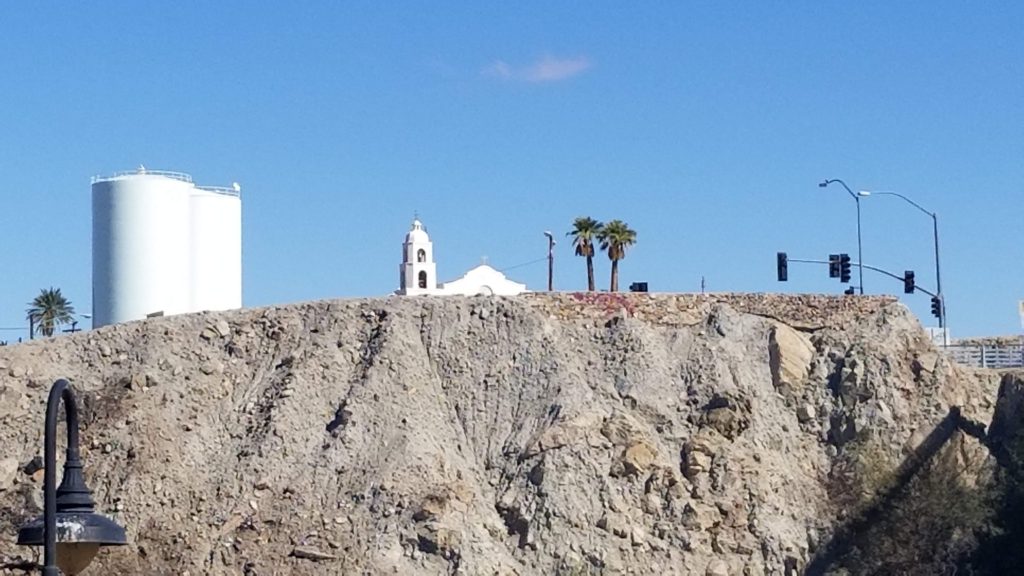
[(418, 271)]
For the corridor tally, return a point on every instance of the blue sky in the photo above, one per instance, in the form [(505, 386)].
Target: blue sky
[(704, 125)]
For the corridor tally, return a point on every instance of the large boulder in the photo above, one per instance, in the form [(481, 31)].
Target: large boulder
[(789, 355)]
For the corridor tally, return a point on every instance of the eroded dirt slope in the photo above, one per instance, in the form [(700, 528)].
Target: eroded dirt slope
[(544, 434)]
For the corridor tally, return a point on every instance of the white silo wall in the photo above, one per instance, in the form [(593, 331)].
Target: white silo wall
[(141, 247), (216, 249)]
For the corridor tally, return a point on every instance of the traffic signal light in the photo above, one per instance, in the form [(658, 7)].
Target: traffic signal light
[(908, 282), (783, 266), (937, 307), (833, 265), (844, 268)]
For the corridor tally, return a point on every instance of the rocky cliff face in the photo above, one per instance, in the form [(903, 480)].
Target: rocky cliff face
[(544, 434)]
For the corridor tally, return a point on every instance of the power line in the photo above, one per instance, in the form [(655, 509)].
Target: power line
[(537, 261)]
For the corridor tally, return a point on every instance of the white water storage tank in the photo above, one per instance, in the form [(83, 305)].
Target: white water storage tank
[(161, 245), (216, 244)]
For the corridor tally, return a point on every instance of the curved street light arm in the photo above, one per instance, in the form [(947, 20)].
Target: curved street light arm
[(61, 391), (860, 246), (908, 200), (938, 270), (850, 192)]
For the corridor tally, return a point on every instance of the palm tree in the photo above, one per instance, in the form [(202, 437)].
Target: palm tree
[(49, 310), (615, 237), (584, 231)]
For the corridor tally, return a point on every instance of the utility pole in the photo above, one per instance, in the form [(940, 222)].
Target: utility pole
[(941, 313), (860, 249), (551, 260)]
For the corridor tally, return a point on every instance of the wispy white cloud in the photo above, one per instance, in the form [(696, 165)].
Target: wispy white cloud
[(550, 69), (498, 69), (547, 69)]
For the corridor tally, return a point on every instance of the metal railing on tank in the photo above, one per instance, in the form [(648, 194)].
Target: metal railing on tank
[(144, 172), (225, 190)]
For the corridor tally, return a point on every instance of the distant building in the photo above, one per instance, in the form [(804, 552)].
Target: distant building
[(162, 245), (418, 272), (483, 280)]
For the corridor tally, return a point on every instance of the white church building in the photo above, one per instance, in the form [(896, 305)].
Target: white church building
[(418, 272)]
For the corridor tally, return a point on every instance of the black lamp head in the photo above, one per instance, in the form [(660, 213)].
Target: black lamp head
[(77, 521), (76, 532), (79, 537), (75, 528)]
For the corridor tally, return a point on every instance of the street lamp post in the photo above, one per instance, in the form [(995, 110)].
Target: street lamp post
[(69, 530), (860, 252), (935, 235), (551, 260), (74, 324)]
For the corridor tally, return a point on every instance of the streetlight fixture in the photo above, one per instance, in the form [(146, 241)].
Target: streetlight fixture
[(935, 234), (860, 252), (551, 260), (74, 323), (69, 530)]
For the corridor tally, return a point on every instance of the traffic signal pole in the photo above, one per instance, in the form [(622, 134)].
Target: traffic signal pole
[(860, 248), (938, 276), (874, 268), (901, 279)]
